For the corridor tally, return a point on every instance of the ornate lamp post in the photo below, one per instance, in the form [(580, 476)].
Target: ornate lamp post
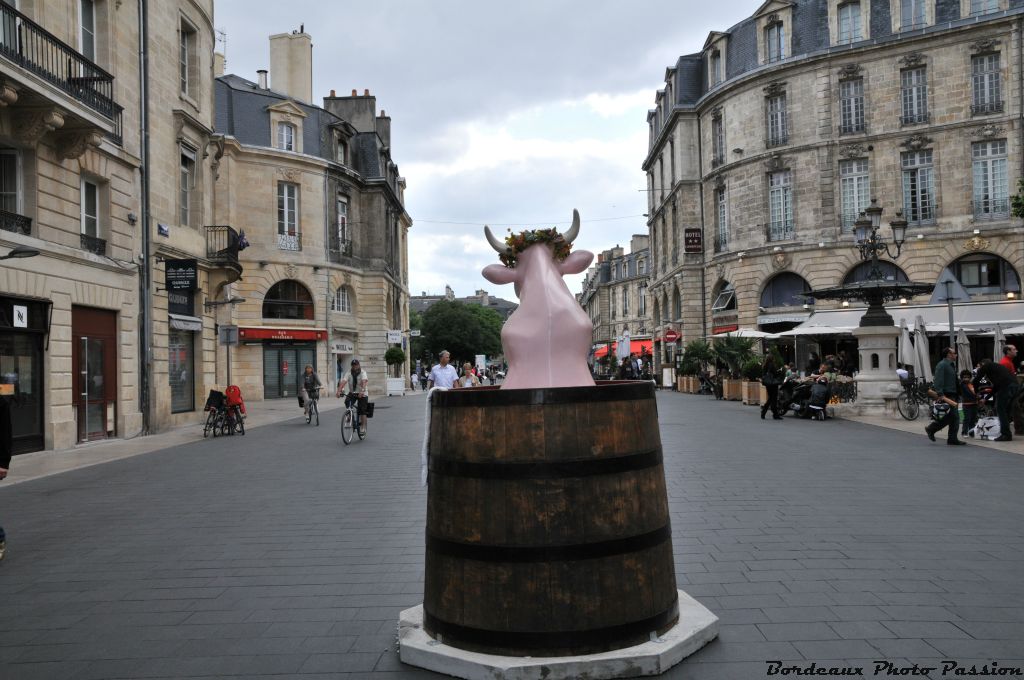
[(877, 334)]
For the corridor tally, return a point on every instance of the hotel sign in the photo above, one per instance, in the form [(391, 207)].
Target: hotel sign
[(693, 240)]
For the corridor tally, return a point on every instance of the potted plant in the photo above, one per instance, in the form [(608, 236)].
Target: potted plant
[(752, 381), (395, 357), (732, 352), (700, 354)]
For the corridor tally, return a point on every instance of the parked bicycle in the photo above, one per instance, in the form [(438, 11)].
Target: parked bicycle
[(913, 397), (223, 416)]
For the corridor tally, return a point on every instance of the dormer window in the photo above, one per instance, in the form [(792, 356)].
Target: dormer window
[(912, 14), (849, 23), (286, 136), (342, 152), (775, 42), (716, 67)]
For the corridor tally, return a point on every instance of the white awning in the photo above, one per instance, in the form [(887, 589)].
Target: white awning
[(976, 318), (185, 323)]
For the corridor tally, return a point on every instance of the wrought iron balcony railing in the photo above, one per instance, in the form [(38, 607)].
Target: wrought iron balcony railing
[(721, 242), (289, 241), (777, 140), (985, 108), (33, 48), (852, 128), (914, 118), (222, 244), (94, 245), (846, 220), (19, 224), (991, 208), (340, 248), (779, 231)]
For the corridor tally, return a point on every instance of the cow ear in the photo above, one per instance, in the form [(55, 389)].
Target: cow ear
[(499, 274), (576, 262)]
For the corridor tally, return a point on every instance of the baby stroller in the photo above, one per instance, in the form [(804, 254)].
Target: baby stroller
[(821, 392)]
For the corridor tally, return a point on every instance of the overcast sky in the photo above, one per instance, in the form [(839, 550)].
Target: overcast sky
[(507, 114)]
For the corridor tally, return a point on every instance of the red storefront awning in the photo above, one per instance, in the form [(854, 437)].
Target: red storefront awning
[(281, 334), (638, 347)]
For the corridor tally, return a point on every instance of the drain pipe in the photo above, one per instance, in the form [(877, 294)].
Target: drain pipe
[(146, 266), (703, 258)]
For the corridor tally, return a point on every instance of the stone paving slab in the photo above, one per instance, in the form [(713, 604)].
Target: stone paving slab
[(284, 554)]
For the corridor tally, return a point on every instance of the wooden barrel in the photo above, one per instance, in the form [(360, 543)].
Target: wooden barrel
[(547, 521)]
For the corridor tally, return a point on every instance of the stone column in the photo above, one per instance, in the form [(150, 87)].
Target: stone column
[(877, 378)]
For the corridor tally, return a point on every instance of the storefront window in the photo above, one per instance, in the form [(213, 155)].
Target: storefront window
[(181, 369)]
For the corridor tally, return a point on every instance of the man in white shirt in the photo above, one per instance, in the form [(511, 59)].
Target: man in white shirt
[(443, 374)]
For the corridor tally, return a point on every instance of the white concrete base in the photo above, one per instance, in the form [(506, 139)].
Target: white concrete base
[(697, 626)]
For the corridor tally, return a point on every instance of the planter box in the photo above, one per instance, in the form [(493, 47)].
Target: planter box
[(732, 389), (396, 386), (762, 394), (751, 393)]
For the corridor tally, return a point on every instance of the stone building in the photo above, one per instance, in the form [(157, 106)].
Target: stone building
[(767, 143), (614, 295), (320, 201), (504, 308)]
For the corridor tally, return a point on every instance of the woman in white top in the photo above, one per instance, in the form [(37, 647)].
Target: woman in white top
[(468, 378)]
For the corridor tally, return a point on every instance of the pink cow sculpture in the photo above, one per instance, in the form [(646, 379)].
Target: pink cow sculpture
[(547, 339)]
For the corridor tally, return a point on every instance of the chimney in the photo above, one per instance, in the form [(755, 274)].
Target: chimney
[(291, 63), (218, 64), (261, 78), (384, 128), (332, 94)]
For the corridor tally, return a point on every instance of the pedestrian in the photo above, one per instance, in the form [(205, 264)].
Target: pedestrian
[(771, 378), (1009, 359), (944, 389), (6, 446), (969, 401), (443, 374), (1004, 386), (468, 378)]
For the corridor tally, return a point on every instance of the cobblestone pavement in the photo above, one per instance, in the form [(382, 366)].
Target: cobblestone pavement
[(284, 554)]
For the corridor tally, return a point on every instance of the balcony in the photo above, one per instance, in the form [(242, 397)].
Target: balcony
[(986, 108), (991, 209), (779, 231), (94, 245), (31, 47), (289, 241), (339, 249), (721, 242), (222, 244), (914, 118), (19, 224), (780, 139)]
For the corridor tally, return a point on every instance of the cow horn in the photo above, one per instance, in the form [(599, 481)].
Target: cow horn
[(574, 230), (495, 243)]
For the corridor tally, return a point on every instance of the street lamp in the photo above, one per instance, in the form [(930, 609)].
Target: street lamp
[(871, 244), (19, 252)]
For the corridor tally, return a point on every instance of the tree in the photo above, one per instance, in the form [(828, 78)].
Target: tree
[(464, 330), (417, 345), (394, 356), (698, 352)]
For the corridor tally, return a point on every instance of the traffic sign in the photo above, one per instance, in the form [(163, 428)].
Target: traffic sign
[(671, 335), (414, 333)]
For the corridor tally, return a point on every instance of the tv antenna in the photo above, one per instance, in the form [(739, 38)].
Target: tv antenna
[(222, 39)]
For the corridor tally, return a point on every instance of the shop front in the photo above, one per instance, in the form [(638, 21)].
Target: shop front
[(286, 352), (24, 333), (94, 369), (182, 281), (342, 352)]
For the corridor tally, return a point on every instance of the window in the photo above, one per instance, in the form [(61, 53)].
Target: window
[(987, 84), (912, 14), (187, 182), (914, 95), (342, 302), (641, 267), (780, 205), (862, 272), (344, 240), (716, 67), (849, 23), (287, 216), (986, 274), (785, 290), (725, 300), (775, 42), (625, 301), (9, 180), (611, 299), (721, 220), (918, 187), (984, 6), (717, 141), (288, 300), (777, 133), (342, 151), (187, 66), (641, 306), (181, 369), (851, 106), (991, 186), (286, 136), (87, 12), (854, 191), (90, 209)]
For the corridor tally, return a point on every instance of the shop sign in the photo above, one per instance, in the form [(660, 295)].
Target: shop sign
[(728, 328), (245, 334), (693, 240), (181, 302), (394, 337), (181, 275), (20, 316), (342, 347)]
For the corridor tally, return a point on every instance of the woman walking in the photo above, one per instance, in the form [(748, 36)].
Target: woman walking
[(771, 378)]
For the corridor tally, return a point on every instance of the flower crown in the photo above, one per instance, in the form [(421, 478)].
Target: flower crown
[(517, 243)]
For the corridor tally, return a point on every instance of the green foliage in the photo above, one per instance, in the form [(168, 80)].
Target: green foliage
[(394, 357), (417, 345), (1017, 200), (464, 330), (733, 352), (752, 369), (689, 365), (700, 353)]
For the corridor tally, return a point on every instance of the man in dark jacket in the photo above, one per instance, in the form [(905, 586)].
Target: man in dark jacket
[(945, 390), (1004, 385), (6, 444)]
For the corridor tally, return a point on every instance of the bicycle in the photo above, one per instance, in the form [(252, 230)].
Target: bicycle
[(350, 420), (914, 395), (312, 410)]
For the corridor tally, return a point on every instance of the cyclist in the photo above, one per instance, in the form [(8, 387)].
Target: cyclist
[(310, 387), (358, 384)]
